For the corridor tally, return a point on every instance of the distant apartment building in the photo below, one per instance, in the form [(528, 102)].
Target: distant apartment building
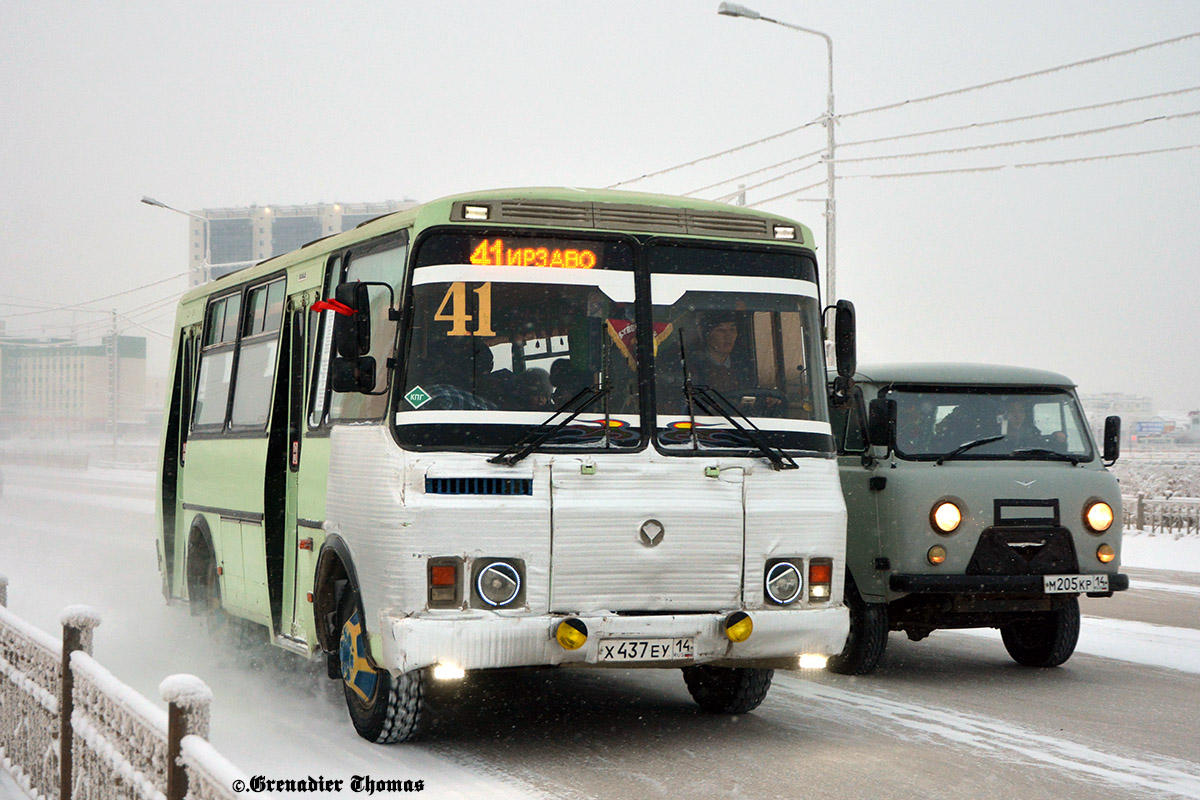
[(1131, 408), (58, 385), (228, 239)]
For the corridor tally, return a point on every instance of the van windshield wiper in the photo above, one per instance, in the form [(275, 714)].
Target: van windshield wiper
[(1043, 452), (531, 441), (962, 448)]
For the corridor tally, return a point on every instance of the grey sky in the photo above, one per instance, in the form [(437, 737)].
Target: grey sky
[(1084, 268)]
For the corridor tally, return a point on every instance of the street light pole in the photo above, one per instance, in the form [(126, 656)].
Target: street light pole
[(207, 263), (735, 10)]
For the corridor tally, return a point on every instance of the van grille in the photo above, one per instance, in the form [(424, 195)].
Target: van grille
[(492, 486)]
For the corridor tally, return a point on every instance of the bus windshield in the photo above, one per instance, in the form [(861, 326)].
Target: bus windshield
[(497, 344), (988, 423), (747, 326)]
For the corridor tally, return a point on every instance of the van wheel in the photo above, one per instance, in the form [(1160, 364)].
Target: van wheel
[(867, 640), (727, 690), (384, 708), (1046, 640)]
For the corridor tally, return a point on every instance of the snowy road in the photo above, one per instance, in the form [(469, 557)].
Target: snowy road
[(950, 717)]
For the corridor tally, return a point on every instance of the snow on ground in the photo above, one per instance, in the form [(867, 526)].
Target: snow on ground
[(1160, 551)]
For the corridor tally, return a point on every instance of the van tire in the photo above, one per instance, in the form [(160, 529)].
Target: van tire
[(1046, 640), (727, 690), (390, 710), (867, 640)]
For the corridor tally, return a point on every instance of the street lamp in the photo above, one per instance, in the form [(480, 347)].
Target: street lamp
[(207, 263), (735, 10)]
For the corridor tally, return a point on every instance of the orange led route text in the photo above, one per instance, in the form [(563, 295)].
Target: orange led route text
[(493, 252)]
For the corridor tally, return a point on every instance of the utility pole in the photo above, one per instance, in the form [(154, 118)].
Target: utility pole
[(114, 383)]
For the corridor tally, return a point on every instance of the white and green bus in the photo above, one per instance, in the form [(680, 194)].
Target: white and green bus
[(514, 428)]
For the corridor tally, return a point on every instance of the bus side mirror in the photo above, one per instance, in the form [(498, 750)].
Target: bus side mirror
[(352, 369), (1112, 440), (844, 346), (881, 422), (352, 332)]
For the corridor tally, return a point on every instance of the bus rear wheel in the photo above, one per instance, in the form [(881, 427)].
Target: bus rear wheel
[(727, 690), (385, 709), (1046, 640)]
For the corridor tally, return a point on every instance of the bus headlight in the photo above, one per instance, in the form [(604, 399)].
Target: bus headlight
[(498, 584), (945, 516), (1098, 516), (783, 582)]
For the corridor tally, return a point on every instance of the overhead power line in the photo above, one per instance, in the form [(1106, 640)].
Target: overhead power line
[(996, 167), (1026, 118), (1015, 142), (1025, 76), (783, 163), (81, 305), (702, 159)]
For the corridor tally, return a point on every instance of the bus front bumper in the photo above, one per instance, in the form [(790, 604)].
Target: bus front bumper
[(485, 640)]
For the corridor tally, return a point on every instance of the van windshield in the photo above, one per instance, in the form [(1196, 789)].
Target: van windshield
[(1029, 423)]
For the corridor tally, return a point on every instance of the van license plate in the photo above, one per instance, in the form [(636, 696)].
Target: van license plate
[(645, 649), (1060, 584)]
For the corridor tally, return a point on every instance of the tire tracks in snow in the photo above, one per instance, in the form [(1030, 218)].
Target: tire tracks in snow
[(995, 738)]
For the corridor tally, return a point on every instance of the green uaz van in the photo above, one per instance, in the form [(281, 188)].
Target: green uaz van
[(976, 498)]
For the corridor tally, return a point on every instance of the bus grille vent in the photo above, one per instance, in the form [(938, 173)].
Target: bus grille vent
[(641, 218), (717, 224), (491, 486), (579, 214)]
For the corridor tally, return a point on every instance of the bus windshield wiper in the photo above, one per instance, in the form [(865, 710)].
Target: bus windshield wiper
[(531, 441), (1043, 452), (710, 400), (962, 448)]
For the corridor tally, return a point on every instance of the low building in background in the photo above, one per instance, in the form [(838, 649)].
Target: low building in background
[(57, 385)]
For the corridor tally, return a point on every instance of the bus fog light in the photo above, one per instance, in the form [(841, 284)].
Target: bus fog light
[(813, 661), (448, 672), (946, 516), (738, 626), (783, 582), (571, 634), (1105, 553), (1098, 516), (936, 554), (498, 584)]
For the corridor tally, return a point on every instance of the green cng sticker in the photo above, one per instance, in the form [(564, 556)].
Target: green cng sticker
[(417, 397)]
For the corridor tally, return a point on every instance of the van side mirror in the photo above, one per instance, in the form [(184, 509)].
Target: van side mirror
[(881, 422), (844, 336), (1112, 440), (352, 332)]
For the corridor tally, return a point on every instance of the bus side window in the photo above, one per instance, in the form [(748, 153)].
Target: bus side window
[(216, 361), (320, 333), (257, 355)]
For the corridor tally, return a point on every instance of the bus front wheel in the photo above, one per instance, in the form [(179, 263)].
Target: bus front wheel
[(727, 690), (384, 708), (1045, 641)]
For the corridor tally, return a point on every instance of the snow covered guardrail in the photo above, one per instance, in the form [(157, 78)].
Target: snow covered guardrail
[(1177, 515), (71, 729)]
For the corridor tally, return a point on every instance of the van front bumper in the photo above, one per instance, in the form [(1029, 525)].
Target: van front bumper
[(984, 584), (484, 640)]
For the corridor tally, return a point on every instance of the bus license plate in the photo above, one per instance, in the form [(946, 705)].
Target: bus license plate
[(645, 649), (1059, 584)]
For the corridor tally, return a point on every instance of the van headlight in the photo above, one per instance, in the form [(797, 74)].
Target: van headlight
[(945, 516), (1098, 516)]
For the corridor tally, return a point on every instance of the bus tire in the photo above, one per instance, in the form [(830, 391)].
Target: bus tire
[(727, 690), (1047, 640), (204, 583), (384, 708), (867, 640)]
